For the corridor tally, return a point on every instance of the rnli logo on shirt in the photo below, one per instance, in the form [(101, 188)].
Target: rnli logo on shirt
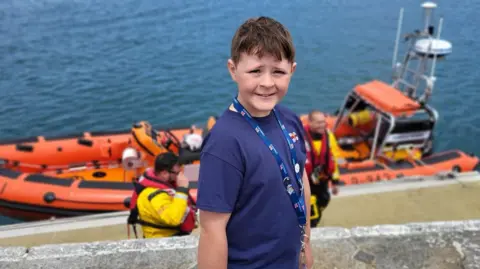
[(293, 136)]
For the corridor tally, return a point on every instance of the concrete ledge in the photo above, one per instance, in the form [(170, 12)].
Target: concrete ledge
[(454, 244)]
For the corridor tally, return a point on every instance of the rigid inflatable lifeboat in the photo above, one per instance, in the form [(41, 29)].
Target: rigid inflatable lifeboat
[(383, 134), (385, 131), (36, 196), (90, 149), (89, 173)]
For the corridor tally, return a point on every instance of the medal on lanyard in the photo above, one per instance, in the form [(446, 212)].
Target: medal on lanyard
[(297, 200)]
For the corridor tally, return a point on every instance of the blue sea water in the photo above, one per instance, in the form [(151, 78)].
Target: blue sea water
[(74, 65)]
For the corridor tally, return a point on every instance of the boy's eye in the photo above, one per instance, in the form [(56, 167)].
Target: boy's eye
[(276, 71)]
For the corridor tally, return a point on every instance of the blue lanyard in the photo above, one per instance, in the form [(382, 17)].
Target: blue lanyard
[(297, 200)]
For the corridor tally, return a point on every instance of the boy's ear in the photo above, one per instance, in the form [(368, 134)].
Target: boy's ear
[(231, 68), (294, 66)]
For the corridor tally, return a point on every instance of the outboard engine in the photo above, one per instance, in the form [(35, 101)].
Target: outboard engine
[(131, 159), (192, 142)]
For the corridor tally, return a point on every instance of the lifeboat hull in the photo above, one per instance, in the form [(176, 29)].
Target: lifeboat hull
[(370, 171), (35, 196)]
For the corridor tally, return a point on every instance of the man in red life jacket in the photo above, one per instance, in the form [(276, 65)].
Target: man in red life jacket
[(321, 165), (160, 202)]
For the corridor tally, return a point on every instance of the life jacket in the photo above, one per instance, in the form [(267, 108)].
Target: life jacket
[(148, 179), (324, 159)]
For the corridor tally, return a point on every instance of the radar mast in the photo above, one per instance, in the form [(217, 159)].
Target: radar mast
[(423, 50)]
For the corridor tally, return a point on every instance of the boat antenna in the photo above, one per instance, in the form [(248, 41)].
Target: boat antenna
[(425, 48), (397, 39)]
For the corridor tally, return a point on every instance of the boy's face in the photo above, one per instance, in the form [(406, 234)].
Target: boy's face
[(262, 82)]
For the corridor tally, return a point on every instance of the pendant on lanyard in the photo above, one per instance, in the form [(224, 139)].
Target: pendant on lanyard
[(297, 200)]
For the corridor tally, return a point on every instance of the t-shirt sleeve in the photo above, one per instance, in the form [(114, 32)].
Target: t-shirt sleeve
[(220, 178)]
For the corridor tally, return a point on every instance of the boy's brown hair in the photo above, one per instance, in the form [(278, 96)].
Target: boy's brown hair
[(260, 36)]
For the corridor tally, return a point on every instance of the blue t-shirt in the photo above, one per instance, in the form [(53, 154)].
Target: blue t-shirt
[(239, 175)]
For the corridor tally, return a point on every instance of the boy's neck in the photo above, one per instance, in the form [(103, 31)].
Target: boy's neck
[(257, 114)]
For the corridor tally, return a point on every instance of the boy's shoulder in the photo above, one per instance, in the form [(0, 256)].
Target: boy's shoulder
[(226, 139), (285, 110), (224, 133), (289, 115), (226, 124)]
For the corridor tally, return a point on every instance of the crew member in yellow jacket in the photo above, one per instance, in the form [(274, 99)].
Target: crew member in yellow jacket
[(321, 165), (160, 201)]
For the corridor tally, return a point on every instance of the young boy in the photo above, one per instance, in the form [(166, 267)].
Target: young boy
[(251, 210)]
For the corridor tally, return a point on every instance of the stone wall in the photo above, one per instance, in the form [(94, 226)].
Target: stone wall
[(417, 245)]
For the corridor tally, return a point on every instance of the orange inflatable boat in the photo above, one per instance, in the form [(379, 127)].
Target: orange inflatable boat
[(89, 173), (91, 149), (378, 140), (35, 196), (386, 130)]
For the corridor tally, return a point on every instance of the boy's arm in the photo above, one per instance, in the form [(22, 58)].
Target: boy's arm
[(212, 246), (308, 248), (306, 184), (218, 187), (306, 189)]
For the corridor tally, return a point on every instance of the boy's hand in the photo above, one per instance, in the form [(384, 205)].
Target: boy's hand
[(308, 257)]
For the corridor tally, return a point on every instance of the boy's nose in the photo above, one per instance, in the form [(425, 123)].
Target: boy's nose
[(267, 81)]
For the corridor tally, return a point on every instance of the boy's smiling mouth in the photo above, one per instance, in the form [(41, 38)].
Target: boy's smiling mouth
[(265, 95)]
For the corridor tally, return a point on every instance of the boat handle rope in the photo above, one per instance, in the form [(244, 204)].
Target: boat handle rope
[(53, 197)]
